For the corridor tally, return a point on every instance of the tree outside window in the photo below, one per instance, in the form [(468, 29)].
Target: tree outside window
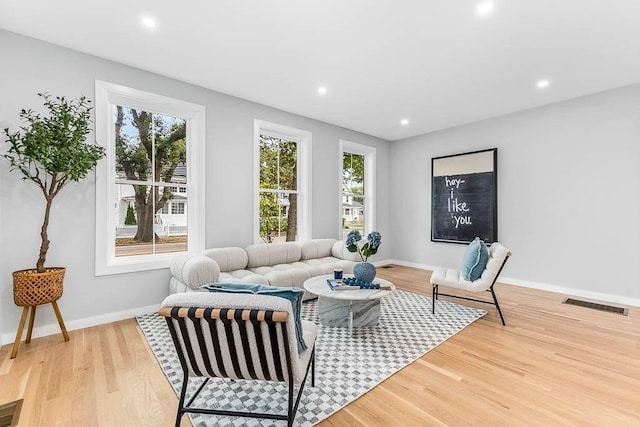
[(278, 189), (150, 151), (353, 192)]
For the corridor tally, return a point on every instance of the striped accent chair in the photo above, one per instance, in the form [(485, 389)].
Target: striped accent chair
[(240, 337)]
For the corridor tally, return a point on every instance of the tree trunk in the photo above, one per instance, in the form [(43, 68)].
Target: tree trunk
[(292, 215), (44, 247), (141, 208), (145, 213)]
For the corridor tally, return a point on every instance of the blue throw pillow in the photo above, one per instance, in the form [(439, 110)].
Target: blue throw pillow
[(292, 294), (474, 260)]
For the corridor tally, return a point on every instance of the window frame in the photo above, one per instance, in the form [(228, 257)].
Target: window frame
[(106, 96), (369, 195), (303, 139), (178, 206)]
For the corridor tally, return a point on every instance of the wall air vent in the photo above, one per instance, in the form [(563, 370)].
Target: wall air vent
[(596, 306)]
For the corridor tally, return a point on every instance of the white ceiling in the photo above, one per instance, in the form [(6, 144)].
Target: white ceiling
[(435, 62)]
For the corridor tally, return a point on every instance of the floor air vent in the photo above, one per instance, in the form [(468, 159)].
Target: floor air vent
[(10, 413), (595, 306)]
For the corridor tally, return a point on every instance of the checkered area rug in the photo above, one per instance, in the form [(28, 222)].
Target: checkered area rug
[(347, 365)]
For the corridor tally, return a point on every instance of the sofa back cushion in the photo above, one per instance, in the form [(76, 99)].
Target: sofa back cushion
[(229, 259), (339, 250), (317, 248), (273, 253)]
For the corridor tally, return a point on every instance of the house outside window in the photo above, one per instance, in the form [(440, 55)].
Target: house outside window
[(283, 170), (357, 185), (151, 141)]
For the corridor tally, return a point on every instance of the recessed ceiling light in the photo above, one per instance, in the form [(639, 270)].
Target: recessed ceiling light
[(322, 90), (485, 8), (542, 84), (148, 22), (404, 122)]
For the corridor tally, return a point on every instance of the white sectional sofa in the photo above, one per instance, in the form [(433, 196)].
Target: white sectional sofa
[(277, 264)]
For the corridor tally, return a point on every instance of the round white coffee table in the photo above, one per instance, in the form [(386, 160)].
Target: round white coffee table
[(355, 308)]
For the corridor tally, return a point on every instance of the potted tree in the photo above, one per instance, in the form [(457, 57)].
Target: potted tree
[(49, 151)]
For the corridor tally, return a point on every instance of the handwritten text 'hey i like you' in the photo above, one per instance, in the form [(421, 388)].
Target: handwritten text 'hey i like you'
[(454, 205)]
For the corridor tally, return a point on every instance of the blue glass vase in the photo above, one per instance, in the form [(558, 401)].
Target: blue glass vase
[(364, 271)]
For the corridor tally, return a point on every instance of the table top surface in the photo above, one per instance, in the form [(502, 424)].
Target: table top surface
[(318, 286)]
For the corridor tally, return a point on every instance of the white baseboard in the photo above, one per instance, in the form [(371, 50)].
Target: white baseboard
[(582, 293), (54, 328)]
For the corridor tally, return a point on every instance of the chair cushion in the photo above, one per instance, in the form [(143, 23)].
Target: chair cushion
[(474, 260), (294, 295)]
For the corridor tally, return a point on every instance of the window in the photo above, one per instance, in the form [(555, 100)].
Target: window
[(182, 189), (177, 208), (151, 141), (357, 188), (283, 170)]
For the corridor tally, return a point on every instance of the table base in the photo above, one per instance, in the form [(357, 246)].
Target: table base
[(347, 314)]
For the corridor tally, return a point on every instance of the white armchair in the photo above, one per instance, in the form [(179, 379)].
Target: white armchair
[(498, 255)]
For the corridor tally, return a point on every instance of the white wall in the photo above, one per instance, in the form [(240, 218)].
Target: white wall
[(30, 66), (568, 194)]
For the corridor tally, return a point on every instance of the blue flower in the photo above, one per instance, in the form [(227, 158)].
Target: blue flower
[(353, 237), (374, 239)]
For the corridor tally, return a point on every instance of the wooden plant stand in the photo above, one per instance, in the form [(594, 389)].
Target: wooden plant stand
[(31, 289)]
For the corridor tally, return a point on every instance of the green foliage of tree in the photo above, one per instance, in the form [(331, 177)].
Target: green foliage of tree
[(278, 171), (150, 153), (353, 172), (51, 150), (130, 219)]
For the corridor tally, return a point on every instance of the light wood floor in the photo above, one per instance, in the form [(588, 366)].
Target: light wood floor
[(552, 364)]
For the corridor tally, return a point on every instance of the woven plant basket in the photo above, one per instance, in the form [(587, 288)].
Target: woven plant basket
[(33, 288)]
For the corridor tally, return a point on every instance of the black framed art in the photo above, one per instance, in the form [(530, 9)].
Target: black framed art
[(464, 199)]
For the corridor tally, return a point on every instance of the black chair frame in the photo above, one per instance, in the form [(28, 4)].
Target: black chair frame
[(436, 294)]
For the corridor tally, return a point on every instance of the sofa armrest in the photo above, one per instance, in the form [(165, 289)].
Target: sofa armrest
[(194, 270), (339, 250)]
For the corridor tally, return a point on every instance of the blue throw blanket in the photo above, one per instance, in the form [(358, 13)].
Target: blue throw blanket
[(292, 294)]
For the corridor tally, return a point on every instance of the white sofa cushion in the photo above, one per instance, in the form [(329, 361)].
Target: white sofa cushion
[(339, 250), (229, 259), (194, 270), (273, 253), (317, 248), (244, 276)]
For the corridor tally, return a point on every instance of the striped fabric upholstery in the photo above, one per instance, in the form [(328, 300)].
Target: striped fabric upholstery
[(230, 343)]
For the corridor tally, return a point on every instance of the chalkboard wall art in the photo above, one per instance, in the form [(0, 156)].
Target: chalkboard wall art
[(464, 197)]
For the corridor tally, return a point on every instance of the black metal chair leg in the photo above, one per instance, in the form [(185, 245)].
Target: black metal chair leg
[(434, 296), (313, 369), (290, 415), (495, 300), (183, 395)]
